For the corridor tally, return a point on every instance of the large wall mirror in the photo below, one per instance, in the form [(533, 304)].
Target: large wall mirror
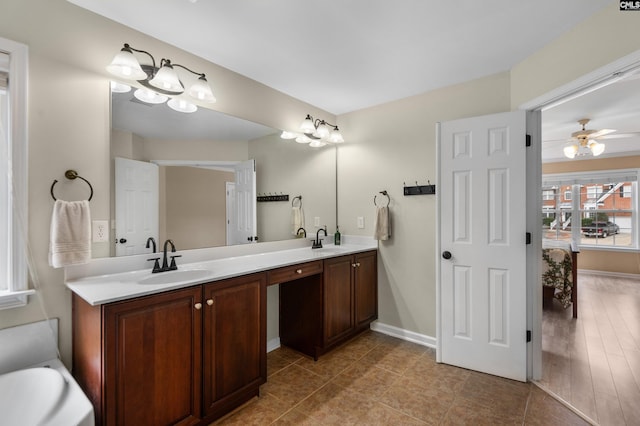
[(195, 156)]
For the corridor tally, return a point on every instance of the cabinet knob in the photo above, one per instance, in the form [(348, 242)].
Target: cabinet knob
[(353, 265), (358, 264), (209, 302), (298, 271), (198, 306)]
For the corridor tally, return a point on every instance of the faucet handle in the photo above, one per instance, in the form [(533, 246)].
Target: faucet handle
[(173, 265), (156, 265)]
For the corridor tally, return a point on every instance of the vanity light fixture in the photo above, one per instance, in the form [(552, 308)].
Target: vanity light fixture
[(160, 82), (316, 133)]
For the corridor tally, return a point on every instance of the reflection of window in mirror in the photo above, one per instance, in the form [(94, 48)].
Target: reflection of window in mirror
[(13, 173)]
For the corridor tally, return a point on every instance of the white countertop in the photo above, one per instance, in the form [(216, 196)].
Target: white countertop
[(101, 289)]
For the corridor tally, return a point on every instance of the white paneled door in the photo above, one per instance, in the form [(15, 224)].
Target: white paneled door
[(244, 228), (482, 289), (136, 196)]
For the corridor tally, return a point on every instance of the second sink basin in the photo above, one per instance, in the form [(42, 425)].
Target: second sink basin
[(176, 276)]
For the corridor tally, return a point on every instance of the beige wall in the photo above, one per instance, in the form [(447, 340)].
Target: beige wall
[(388, 145), (601, 260), (202, 223)]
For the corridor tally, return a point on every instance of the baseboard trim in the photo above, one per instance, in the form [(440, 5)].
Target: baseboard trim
[(273, 344), (409, 336), (609, 274)]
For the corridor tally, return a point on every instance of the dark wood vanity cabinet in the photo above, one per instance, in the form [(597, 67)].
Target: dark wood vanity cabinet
[(181, 357), (318, 313)]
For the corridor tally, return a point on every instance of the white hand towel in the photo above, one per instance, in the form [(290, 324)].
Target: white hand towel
[(297, 219), (382, 226), (70, 242)]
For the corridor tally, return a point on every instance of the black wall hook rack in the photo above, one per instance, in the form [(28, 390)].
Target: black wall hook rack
[(272, 197), (427, 189)]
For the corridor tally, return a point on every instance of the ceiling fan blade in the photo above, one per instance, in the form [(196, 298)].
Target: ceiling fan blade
[(621, 135), (600, 133)]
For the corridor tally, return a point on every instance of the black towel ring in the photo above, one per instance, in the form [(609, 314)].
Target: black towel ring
[(386, 195), (299, 197), (71, 175)]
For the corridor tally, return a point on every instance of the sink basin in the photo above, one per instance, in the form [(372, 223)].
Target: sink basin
[(326, 251), (176, 276), (30, 396)]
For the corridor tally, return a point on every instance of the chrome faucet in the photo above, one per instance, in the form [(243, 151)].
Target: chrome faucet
[(304, 232), (318, 242), (150, 241)]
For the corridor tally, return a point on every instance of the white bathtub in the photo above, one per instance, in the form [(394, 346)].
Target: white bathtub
[(35, 387)]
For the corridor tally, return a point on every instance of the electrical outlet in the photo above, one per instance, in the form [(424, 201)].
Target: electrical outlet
[(100, 230), (360, 222), (316, 221)]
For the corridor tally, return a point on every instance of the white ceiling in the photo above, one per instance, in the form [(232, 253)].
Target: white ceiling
[(345, 55)]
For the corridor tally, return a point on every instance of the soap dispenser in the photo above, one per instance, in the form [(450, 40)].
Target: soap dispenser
[(336, 237)]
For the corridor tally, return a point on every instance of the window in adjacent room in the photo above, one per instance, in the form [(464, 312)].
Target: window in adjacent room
[(601, 212)]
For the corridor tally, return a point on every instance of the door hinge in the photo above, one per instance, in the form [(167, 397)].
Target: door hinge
[(528, 238), (528, 336), (527, 141)]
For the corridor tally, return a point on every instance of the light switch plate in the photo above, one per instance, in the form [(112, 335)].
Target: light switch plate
[(100, 231), (360, 222), (316, 221)]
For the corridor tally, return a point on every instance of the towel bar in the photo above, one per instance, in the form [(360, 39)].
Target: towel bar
[(71, 175)]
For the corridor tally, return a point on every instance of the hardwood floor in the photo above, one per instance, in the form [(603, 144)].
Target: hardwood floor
[(593, 362)]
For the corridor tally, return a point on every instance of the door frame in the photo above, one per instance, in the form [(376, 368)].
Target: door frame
[(594, 80)]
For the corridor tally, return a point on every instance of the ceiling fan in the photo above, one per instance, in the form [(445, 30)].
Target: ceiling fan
[(585, 141)]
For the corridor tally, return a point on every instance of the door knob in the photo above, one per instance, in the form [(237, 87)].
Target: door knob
[(123, 240), (446, 255)]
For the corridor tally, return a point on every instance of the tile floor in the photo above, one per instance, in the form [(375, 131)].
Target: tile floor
[(379, 380)]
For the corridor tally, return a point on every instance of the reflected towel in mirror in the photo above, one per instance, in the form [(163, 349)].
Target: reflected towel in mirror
[(297, 219)]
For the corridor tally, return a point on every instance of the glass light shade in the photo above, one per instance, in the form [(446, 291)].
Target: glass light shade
[(570, 151), (322, 131), (181, 105), (167, 79), (596, 148), (317, 143), (336, 136), (201, 91), (303, 139), (149, 96), (288, 135), (125, 65), (307, 125), (117, 87)]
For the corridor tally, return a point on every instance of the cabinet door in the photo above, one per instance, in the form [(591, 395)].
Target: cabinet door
[(366, 288), (234, 343), (338, 298), (153, 359)]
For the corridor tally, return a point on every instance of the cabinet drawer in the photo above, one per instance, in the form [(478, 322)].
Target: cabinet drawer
[(290, 273)]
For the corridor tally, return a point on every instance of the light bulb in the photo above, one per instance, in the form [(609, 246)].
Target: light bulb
[(596, 148), (167, 80), (307, 125), (125, 65), (201, 91), (570, 151)]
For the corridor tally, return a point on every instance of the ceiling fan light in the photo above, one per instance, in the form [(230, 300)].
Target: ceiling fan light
[(596, 148), (149, 96), (201, 91), (570, 151), (167, 80), (181, 105), (125, 65)]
